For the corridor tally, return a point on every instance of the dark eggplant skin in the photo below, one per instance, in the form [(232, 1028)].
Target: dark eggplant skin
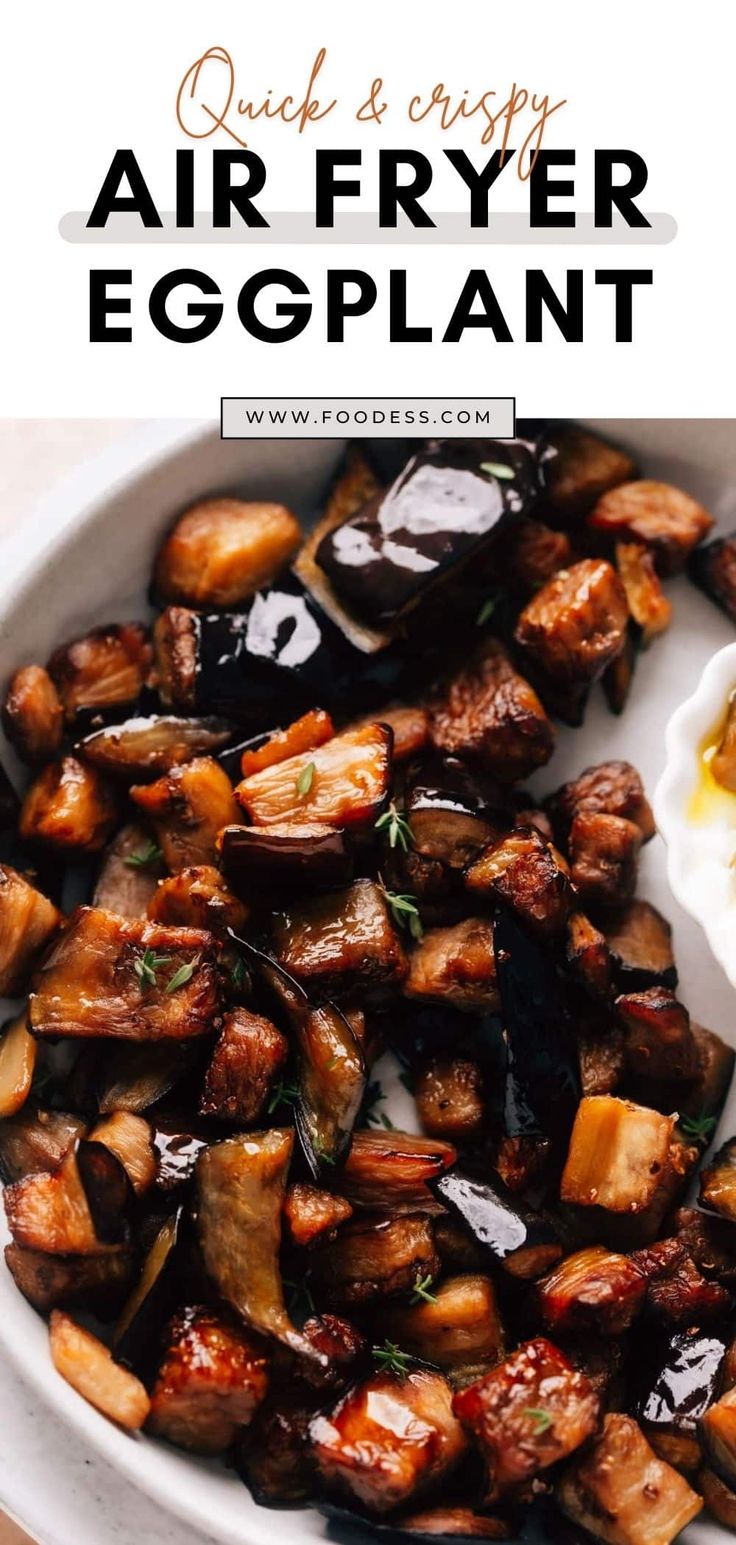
[(499, 1222), (108, 1189), (139, 1329), (452, 811), (681, 1380), (542, 1078), (284, 859), (443, 508)]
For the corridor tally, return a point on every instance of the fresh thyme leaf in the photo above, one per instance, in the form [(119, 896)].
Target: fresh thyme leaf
[(184, 974), (321, 1152), (331, 1064), (300, 1296), (147, 965), (405, 912), (386, 1121), (145, 858), (396, 827), (237, 973), (498, 469), (391, 1359), (282, 1094), (421, 1293), (486, 611), (541, 1418), (700, 1128), (306, 778)]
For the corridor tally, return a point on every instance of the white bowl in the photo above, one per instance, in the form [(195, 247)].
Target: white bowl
[(85, 558)]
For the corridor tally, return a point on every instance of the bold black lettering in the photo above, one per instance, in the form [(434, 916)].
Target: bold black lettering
[(298, 314), (624, 280), (102, 305), (567, 315), (240, 195), (394, 195), (209, 313), (479, 182), (339, 307), (327, 187), (477, 286), (399, 329), (620, 195), (542, 188), (185, 189), (110, 199)]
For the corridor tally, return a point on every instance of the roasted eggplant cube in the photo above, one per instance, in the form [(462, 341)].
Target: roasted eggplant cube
[(578, 467), (575, 625), (640, 943), (455, 965), (288, 858), (341, 942), (677, 1292), (618, 1155), (500, 1224), (88, 1365), (604, 857), (377, 1258), (713, 568), (51, 1212), (114, 977), (450, 1097), (342, 1350), (68, 806), (531, 1411), (702, 1105), (526, 874), (710, 1242), (198, 898), (458, 1327), (221, 551), (719, 1498), (96, 1283), (176, 649), (343, 783), (651, 612), (275, 1456), (659, 1041), (588, 955), (313, 729), (17, 1064), (389, 1440), (213, 1377), (245, 1064), (718, 1182), (610, 788), (146, 748), (601, 1060), (36, 1140), (395, 1167), (32, 716), (313, 1216), (128, 873), (490, 714), (664, 518), (451, 811), (622, 1493), (188, 807), (681, 1381), (594, 1290), (718, 1437), (409, 726), (536, 553), (27, 922), (105, 669)]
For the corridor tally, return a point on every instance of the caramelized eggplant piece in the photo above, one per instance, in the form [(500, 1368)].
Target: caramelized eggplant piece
[(143, 748), (213, 1377), (659, 1041), (129, 1137), (601, 1060), (108, 1191), (718, 1182), (389, 1440), (89, 1367), (713, 569), (450, 1097), (305, 734), (709, 1241), (356, 484), (198, 897), (377, 1258), (128, 873), (275, 1457), (578, 467), (240, 1193), (390, 1167), (618, 1155), (719, 1499), (527, 875), (287, 858), (536, 553), (105, 669), (455, 965), (176, 648), (312, 1216), (51, 1212), (458, 1328), (575, 625), (221, 551), (526, 1414), (520, 1161), (702, 1105), (452, 812), (244, 1066), (341, 942), (441, 511), (618, 677), (95, 1283), (69, 805), (114, 977), (595, 1289), (649, 608), (521, 1240), (491, 715), (588, 955), (682, 1381), (17, 1063), (723, 763), (542, 1082), (343, 783), (622, 1493), (132, 1078), (32, 715), (640, 942), (138, 1332), (717, 1429), (610, 788), (188, 807), (678, 1293), (409, 726), (604, 858), (27, 922), (343, 1347), (36, 1140), (664, 518)]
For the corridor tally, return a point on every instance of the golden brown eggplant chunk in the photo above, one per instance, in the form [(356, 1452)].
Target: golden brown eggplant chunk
[(342, 1346), (96, 1283), (600, 1057), (221, 551), (664, 518), (659, 1041), (640, 943), (604, 858), (622, 1493), (128, 873), (244, 1066), (575, 625), (490, 714), (17, 1062), (389, 1440), (148, 747), (130, 1138), (88, 1366), (594, 1289), (719, 1499), (527, 874), (648, 605), (455, 965), (377, 1258), (175, 657), (718, 1182), (198, 897), (275, 1456), (450, 1097), (106, 668), (340, 942), (579, 467), (458, 1328), (536, 552), (526, 1414), (213, 1377), (342, 783), (521, 1160), (618, 1155), (390, 1168), (27, 922), (588, 955), (305, 734), (609, 788), (723, 764), (36, 1140), (115, 977), (240, 1193), (188, 807), (677, 1292), (718, 1437), (32, 715), (50, 1212), (69, 805), (711, 1243), (409, 726), (313, 1216)]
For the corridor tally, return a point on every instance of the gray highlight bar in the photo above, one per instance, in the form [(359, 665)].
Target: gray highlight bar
[(297, 228), (393, 418)]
